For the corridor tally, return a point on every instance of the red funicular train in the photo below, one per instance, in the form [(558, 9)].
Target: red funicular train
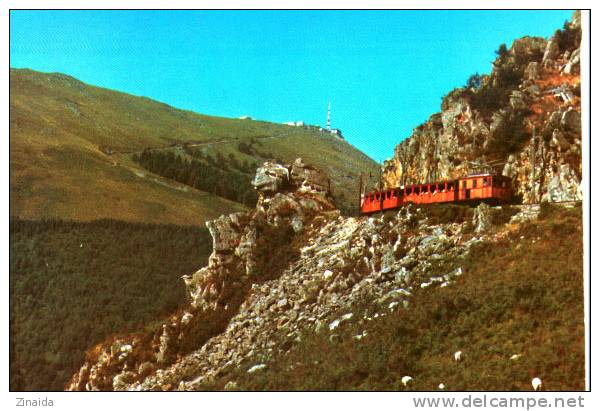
[(492, 188)]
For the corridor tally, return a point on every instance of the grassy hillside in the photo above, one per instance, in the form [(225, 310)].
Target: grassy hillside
[(71, 147), (521, 296), (74, 284)]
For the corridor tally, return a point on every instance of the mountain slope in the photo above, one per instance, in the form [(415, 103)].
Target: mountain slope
[(56, 271), (295, 296), (71, 147)]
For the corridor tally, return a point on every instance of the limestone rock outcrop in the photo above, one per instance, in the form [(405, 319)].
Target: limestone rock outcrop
[(524, 120), (248, 249), (292, 265)]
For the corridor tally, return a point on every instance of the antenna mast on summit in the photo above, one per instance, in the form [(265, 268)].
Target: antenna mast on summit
[(329, 116)]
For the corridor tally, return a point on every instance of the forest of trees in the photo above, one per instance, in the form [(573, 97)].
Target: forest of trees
[(73, 284), (224, 176)]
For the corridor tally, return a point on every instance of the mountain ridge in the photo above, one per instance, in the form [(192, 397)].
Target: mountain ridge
[(523, 120), (71, 146)]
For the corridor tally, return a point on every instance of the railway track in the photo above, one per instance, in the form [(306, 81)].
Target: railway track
[(194, 144)]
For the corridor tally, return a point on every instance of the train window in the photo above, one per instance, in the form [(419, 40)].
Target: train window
[(474, 183), (464, 185), (417, 190), (372, 197), (397, 193)]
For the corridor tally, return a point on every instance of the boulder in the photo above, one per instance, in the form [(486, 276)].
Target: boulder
[(481, 218), (231, 386), (271, 177), (225, 232), (308, 177), (517, 100), (551, 52), (527, 48), (573, 65), (559, 140), (571, 121), (554, 119), (122, 380), (532, 71), (433, 244), (510, 168), (575, 22), (563, 186), (454, 109)]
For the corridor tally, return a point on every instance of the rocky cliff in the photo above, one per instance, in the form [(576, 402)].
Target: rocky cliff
[(290, 266), (523, 120)]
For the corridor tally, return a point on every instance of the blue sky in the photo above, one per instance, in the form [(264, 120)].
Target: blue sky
[(384, 71)]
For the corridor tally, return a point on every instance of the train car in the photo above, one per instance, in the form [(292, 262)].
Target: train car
[(491, 188)]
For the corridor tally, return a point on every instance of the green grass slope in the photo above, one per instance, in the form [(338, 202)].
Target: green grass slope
[(71, 148), (73, 284)]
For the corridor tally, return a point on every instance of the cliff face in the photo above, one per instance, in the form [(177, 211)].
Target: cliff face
[(248, 249), (523, 120), (292, 265)]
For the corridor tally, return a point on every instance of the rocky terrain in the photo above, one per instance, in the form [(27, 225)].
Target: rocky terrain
[(291, 265), (524, 120)]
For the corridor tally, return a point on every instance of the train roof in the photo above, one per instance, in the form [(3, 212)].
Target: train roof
[(435, 182), (482, 175)]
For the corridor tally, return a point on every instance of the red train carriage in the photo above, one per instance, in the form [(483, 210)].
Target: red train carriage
[(493, 188)]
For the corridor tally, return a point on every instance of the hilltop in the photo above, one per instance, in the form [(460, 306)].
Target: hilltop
[(73, 148)]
